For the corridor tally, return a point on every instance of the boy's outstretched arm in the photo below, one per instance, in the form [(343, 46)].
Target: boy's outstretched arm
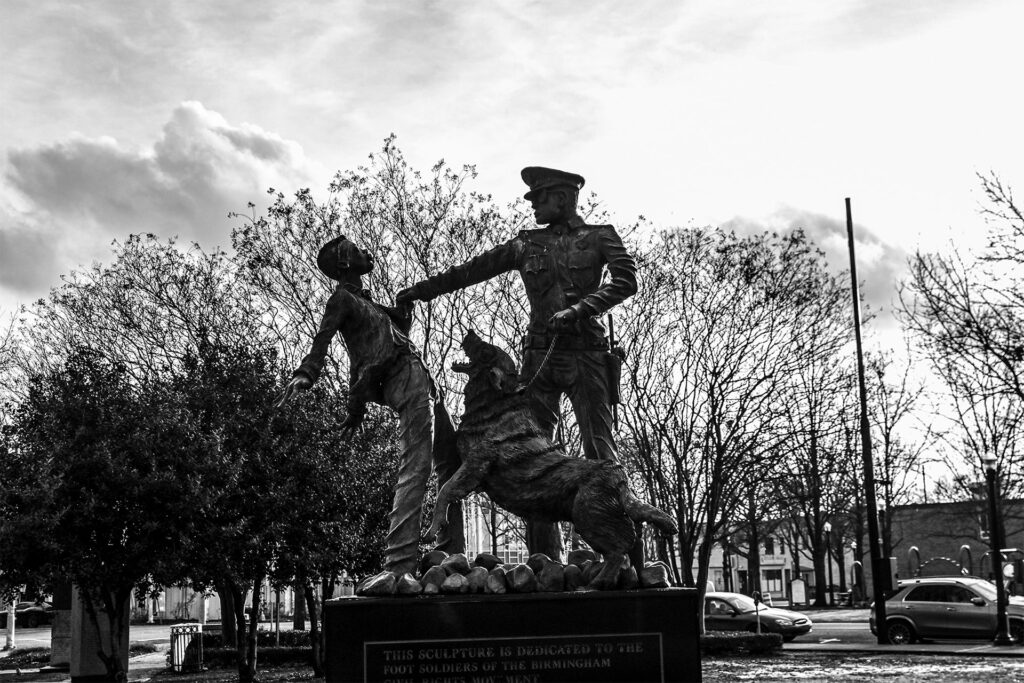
[(297, 384)]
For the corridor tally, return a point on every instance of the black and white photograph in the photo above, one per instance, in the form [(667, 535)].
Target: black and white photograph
[(511, 342)]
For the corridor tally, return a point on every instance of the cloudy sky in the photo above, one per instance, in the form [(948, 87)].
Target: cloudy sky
[(122, 117)]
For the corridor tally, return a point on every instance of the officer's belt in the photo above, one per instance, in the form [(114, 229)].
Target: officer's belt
[(565, 342)]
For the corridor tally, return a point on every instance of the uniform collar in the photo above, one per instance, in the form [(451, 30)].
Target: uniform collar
[(573, 223)]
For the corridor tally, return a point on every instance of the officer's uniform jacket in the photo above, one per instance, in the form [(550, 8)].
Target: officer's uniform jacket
[(562, 267)]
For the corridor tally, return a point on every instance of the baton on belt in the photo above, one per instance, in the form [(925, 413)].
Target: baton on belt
[(614, 369)]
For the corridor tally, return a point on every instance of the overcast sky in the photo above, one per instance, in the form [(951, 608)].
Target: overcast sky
[(122, 117)]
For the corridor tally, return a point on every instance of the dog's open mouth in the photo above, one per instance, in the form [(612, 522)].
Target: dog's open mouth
[(471, 344)]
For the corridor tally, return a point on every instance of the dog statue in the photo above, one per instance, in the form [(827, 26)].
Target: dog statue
[(506, 455)]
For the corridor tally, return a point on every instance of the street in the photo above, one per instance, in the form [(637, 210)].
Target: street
[(824, 633), (800, 659)]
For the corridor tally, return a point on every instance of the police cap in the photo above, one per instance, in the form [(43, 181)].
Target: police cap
[(540, 178)]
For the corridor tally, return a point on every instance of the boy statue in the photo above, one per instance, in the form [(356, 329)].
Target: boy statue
[(386, 368)]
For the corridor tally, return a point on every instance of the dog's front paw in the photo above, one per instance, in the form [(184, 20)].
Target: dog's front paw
[(440, 524)]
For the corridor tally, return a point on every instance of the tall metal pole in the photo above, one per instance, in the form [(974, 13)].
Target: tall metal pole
[(831, 583), (996, 538), (877, 569)]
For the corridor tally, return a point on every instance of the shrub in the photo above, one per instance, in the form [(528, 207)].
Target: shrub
[(214, 639), (226, 657), (26, 658), (728, 643)]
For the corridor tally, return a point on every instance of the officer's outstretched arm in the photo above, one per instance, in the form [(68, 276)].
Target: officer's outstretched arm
[(491, 263)]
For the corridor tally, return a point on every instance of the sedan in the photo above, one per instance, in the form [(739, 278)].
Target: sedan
[(954, 607), (29, 615), (737, 612)]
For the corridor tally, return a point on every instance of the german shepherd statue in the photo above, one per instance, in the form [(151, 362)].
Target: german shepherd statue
[(506, 455)]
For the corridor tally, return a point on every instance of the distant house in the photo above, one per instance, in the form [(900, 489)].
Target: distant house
[(780, 566)]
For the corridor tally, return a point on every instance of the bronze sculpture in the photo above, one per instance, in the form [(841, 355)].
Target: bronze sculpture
[(509, 456), (385, 368), (561, 265)]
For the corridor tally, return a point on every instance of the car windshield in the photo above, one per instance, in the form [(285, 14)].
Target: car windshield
[(742, 603)]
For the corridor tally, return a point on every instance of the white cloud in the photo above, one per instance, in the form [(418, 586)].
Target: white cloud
[(28, 259), (880, 266), (696, 111), (75, 196)]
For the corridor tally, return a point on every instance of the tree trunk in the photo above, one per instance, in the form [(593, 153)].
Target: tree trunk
[(228, 627), (685, 566), (299, 616), (820, 575), (238, 601), (247, 663), (314, 630), (703, 562), (753, 546)]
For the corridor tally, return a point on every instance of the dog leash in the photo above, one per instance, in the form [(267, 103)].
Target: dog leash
[(547, 355)]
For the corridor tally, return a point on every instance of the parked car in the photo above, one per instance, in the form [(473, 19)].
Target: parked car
[(954, 607), (29, 615), (737, 612)]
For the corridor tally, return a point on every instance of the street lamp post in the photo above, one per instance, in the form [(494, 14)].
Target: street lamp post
[(853, 572), (886, 550), (996, 538), (828, 549), (726, 565)]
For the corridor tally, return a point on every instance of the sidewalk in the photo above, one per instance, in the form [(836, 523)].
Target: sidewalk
[(141, 668)]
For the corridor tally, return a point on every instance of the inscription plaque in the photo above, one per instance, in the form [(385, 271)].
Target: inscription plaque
[(611, 657), (648, 635)]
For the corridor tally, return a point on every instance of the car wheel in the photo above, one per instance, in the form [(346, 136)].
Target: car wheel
[(32, 621), (900, 632), (1017, 630)]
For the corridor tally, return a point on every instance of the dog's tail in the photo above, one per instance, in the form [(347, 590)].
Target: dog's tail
[(639, 511)]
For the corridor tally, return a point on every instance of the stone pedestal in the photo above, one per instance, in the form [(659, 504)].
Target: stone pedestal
[(60, 631), (641, 636), (87, 641)]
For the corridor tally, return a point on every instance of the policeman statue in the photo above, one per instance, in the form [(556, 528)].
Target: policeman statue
[(562, 265)]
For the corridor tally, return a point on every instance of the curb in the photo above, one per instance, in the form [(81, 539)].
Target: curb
[(977, 650)]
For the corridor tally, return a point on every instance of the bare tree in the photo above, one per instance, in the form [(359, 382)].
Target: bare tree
[(155, 304), (815, 487), (415, 225), (965, 313), (901, 443), (720, 325)]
